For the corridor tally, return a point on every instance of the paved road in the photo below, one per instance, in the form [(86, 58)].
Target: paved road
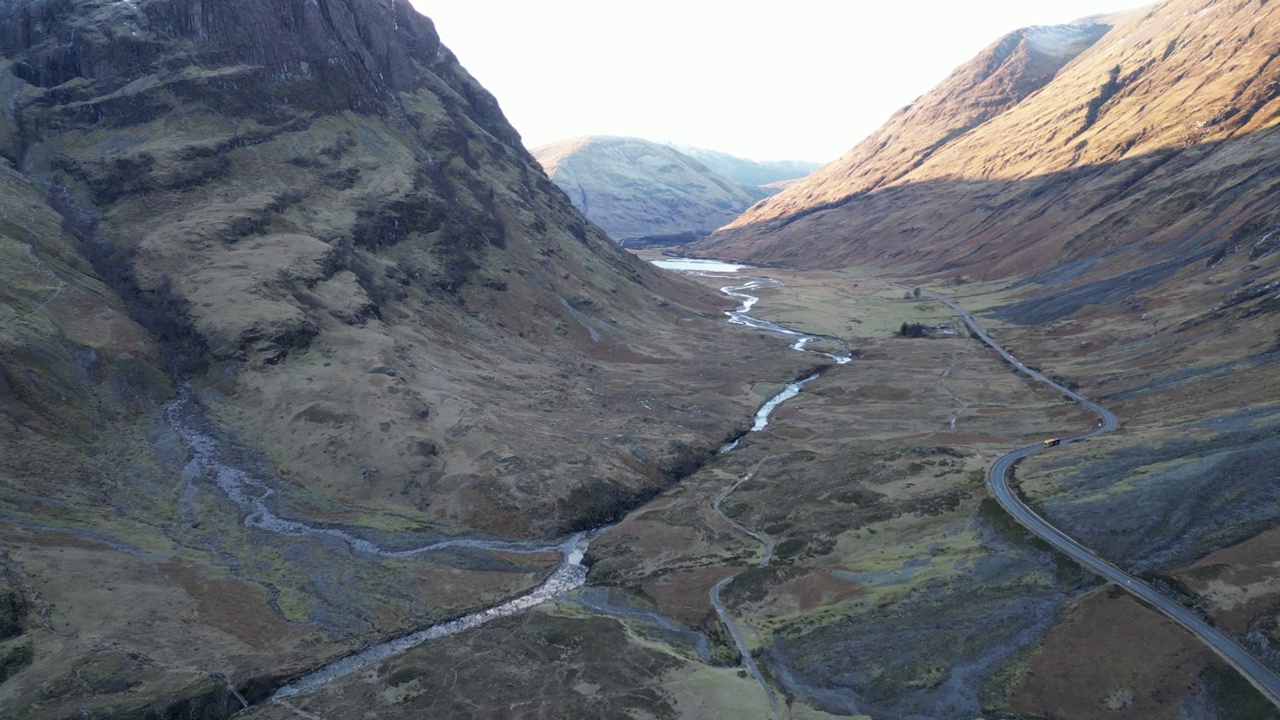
[(998, 480)]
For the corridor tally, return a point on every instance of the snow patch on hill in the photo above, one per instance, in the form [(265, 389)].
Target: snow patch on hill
[(1059, 40)]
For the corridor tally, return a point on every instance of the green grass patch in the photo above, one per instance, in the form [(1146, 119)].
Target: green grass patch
[(790, 548), (732, 695)]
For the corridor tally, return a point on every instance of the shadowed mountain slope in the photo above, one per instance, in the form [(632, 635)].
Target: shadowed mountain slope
[(636, 189), (311, 196), (305, 218)]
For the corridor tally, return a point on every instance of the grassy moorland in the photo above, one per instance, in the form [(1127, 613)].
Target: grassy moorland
[(897, 589)]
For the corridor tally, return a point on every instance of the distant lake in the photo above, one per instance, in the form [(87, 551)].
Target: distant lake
[(698, 265)]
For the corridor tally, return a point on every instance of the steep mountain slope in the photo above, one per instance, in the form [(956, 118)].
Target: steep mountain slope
[(1122, 215), (749, 172), (636, 189), (1000, 77), (1147, 144), (306, 222)]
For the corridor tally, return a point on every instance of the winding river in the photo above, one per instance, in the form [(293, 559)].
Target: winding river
[(571, 574), (800, 341), (251, 494)]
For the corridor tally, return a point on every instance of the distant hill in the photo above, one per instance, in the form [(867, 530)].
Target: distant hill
[(644, 192), (759, 173)]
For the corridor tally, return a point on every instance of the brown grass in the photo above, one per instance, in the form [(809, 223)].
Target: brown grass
[(1111, 649)]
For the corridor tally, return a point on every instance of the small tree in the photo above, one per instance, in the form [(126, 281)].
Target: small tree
[(916, 293)]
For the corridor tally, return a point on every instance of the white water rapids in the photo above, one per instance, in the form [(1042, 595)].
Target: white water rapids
[(251, 494), (571, 574), (762, 415)]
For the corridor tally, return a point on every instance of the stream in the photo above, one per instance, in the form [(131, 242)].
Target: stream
[(251, 494), (571, 574), (739, 316)]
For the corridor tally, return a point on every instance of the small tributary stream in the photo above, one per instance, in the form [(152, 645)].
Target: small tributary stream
[(251, 494)]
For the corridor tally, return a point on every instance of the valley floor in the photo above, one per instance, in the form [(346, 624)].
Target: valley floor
[(897, 588)]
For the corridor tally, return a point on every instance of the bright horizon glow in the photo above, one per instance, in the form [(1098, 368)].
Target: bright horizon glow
[(766, 80)]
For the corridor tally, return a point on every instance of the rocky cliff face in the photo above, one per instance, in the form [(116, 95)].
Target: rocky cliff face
[(1110, 147), (638, 190), (307, 218)]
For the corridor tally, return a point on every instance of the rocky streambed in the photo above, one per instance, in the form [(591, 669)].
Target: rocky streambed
[(253, 496)]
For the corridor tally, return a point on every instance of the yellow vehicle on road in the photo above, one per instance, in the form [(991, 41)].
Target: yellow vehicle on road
[(1051, 442)]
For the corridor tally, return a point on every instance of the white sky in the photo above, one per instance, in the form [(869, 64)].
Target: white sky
[(767, 80)]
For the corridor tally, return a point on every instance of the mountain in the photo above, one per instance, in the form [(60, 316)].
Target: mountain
[(642, 191), (762, 173), (1103, 147), (1102, 196), (284, 295)]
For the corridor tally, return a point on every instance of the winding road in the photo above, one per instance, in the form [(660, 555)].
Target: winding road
[(1258, 674), (1254, 671), (251, 495)]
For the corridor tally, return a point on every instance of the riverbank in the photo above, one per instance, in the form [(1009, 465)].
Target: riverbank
[(897, 589)]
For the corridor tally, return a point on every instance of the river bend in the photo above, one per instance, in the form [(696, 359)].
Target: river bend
[(251, 494)]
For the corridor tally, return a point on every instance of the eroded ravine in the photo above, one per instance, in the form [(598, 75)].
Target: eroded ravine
[(252, 496)]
